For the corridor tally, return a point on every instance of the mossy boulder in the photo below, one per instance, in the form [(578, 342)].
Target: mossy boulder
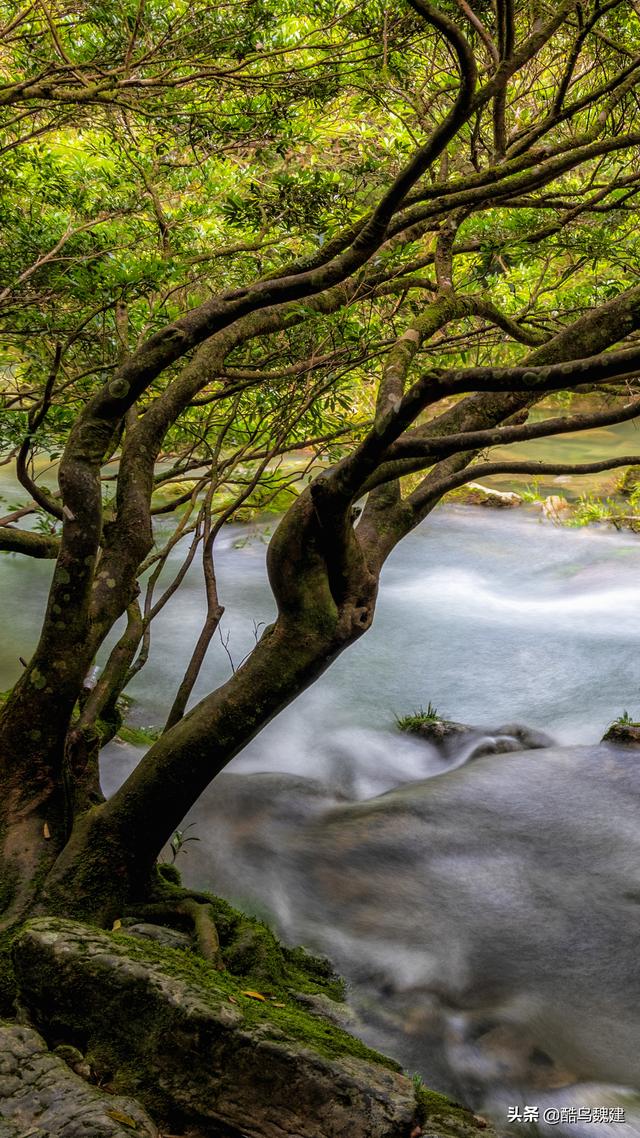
[(198, 1048), (442, 1117), (475, 494), (442, 733), (623, 734), (252, 952), (448, 736)]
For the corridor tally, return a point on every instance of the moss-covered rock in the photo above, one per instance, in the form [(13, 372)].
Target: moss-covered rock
[(623, 733), (251, 951), (7, 978), (439, 1115), (475, 494), (447, 735), (198, 1047)]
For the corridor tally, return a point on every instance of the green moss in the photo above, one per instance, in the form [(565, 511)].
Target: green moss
[(170, 874), (250, 949), (447, 1117), (138, 736), (292, 1019), (8, 986)]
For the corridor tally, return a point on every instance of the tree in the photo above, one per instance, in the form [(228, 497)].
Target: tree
[(459, 245)]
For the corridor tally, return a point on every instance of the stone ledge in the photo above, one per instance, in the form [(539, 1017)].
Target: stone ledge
[(41, 1097), (172, 1034)]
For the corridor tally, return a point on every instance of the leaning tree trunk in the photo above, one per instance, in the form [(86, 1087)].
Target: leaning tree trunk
[(64, 854), (103, 859)]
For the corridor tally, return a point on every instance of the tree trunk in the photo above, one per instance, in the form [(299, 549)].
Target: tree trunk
[(101, 858)]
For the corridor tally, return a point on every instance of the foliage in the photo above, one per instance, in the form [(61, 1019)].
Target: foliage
[(312, 258), (590, 508), (179, 840), (531, 494)]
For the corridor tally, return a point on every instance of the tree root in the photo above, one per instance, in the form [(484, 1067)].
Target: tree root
[(205, 930), (173, 902)]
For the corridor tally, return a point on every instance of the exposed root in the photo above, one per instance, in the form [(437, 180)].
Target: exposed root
[(174, 902), (205, 930)]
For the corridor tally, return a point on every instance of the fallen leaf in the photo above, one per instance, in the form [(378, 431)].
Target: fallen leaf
[(255, 995), (232, 999), (279, 1005), (116, 925), (46, 831), (125, 1119)]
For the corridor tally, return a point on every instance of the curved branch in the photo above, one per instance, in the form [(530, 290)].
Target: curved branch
[(418, 444), (40, 545), (477, 24), (40, 494), (419, 499)]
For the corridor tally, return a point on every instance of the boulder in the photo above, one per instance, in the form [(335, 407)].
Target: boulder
[(555, 507), (40, 1096), (448, 736), (624, 734), (199, 1050), (475, 494), (169, 938)]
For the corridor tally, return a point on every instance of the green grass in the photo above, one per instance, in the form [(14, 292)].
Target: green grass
[(532, 493), (625, 720), (589, 509), (418, 717)]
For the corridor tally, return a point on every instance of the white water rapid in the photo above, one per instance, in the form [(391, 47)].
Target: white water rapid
[(485, 910)]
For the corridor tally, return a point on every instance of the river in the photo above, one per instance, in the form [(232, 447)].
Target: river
[(484, 910)]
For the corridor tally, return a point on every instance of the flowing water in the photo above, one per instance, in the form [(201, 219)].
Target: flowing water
[(484, 907)]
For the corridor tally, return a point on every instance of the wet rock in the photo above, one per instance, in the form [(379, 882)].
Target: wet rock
[(442, 733), (8, 1130), (529, 738), (74, 1058), (165, 1029), (624, 734), (40, 1096), (449, 737), (475, 494), (160, 934), (555, 507), (320, 1005)]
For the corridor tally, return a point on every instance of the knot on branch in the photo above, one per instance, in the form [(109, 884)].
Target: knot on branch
[(119, 388)]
